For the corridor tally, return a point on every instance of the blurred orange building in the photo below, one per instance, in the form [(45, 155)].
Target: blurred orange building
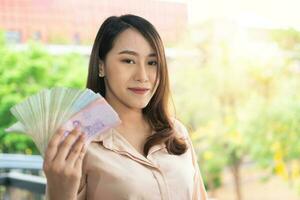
[(77, 21)]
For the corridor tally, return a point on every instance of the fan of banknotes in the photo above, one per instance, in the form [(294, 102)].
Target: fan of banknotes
[(42, 114)]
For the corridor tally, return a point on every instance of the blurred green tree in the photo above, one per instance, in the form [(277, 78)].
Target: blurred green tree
[(240, 99), (24, 73)]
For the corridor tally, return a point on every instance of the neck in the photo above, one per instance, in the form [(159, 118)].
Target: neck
[(130, 117)]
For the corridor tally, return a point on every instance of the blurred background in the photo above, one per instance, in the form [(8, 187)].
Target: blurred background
[(234, 67)]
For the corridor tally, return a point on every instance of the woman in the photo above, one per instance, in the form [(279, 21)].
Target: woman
[(149, 155)]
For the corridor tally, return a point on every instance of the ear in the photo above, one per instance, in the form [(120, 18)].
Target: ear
[(101, 68)]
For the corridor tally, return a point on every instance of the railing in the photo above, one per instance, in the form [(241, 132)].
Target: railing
[(21, 177)]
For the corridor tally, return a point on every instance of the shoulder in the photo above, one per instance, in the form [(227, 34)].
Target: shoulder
[(180, 128), (91, 158)]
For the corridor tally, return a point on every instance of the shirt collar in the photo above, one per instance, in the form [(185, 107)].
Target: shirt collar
[(113, 140)]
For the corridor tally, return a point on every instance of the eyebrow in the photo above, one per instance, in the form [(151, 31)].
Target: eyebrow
[(135, 53)]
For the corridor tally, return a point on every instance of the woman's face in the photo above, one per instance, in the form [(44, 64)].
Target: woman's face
[(130, 69)]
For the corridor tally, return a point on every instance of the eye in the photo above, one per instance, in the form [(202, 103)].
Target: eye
[(128, 61), (154, 63)]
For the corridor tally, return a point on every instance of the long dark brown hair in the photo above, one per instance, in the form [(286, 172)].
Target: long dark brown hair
[(157, 111)]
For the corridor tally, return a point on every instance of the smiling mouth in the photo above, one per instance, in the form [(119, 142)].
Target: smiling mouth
[(139, 90)]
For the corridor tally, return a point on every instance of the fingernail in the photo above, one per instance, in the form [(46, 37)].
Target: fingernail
[(66, 133), (76, 123)]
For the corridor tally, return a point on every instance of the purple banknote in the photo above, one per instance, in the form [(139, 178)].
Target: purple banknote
[(94, 119)]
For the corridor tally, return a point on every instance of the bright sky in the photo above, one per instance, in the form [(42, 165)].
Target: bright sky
[(266, 13)]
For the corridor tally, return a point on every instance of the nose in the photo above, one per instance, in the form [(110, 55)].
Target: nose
[(141, 74)]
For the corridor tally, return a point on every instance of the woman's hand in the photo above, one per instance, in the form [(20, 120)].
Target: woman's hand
[(63, 164)]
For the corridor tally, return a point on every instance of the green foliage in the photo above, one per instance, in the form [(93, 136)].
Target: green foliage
[(287, 38), (241, 100), (24, 73)]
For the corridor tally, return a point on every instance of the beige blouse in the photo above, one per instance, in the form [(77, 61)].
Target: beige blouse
[(114, 170)]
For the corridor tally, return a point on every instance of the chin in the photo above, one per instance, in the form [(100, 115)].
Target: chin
[(139, 105)]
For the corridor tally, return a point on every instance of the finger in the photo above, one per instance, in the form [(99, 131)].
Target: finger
[(78, 162), (66, 145), (75, 151), (53, 144)]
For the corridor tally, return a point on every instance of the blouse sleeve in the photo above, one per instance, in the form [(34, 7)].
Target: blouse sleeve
[(199, 189), (199, 192)]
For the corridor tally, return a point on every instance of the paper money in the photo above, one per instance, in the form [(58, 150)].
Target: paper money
[(42, 114), (94, 119)]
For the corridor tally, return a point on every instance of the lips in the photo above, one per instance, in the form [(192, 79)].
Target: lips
[(139, 90)]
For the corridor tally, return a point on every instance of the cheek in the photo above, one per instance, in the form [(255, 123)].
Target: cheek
[(112, 69), (117, 78), (152, 74), (116, 72), (153, 83)]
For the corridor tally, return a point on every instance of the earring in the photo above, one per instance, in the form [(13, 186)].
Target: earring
[(101, 75), (101, 70)]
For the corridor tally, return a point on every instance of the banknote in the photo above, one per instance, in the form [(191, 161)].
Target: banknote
[(94, 119), (42, 114)]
